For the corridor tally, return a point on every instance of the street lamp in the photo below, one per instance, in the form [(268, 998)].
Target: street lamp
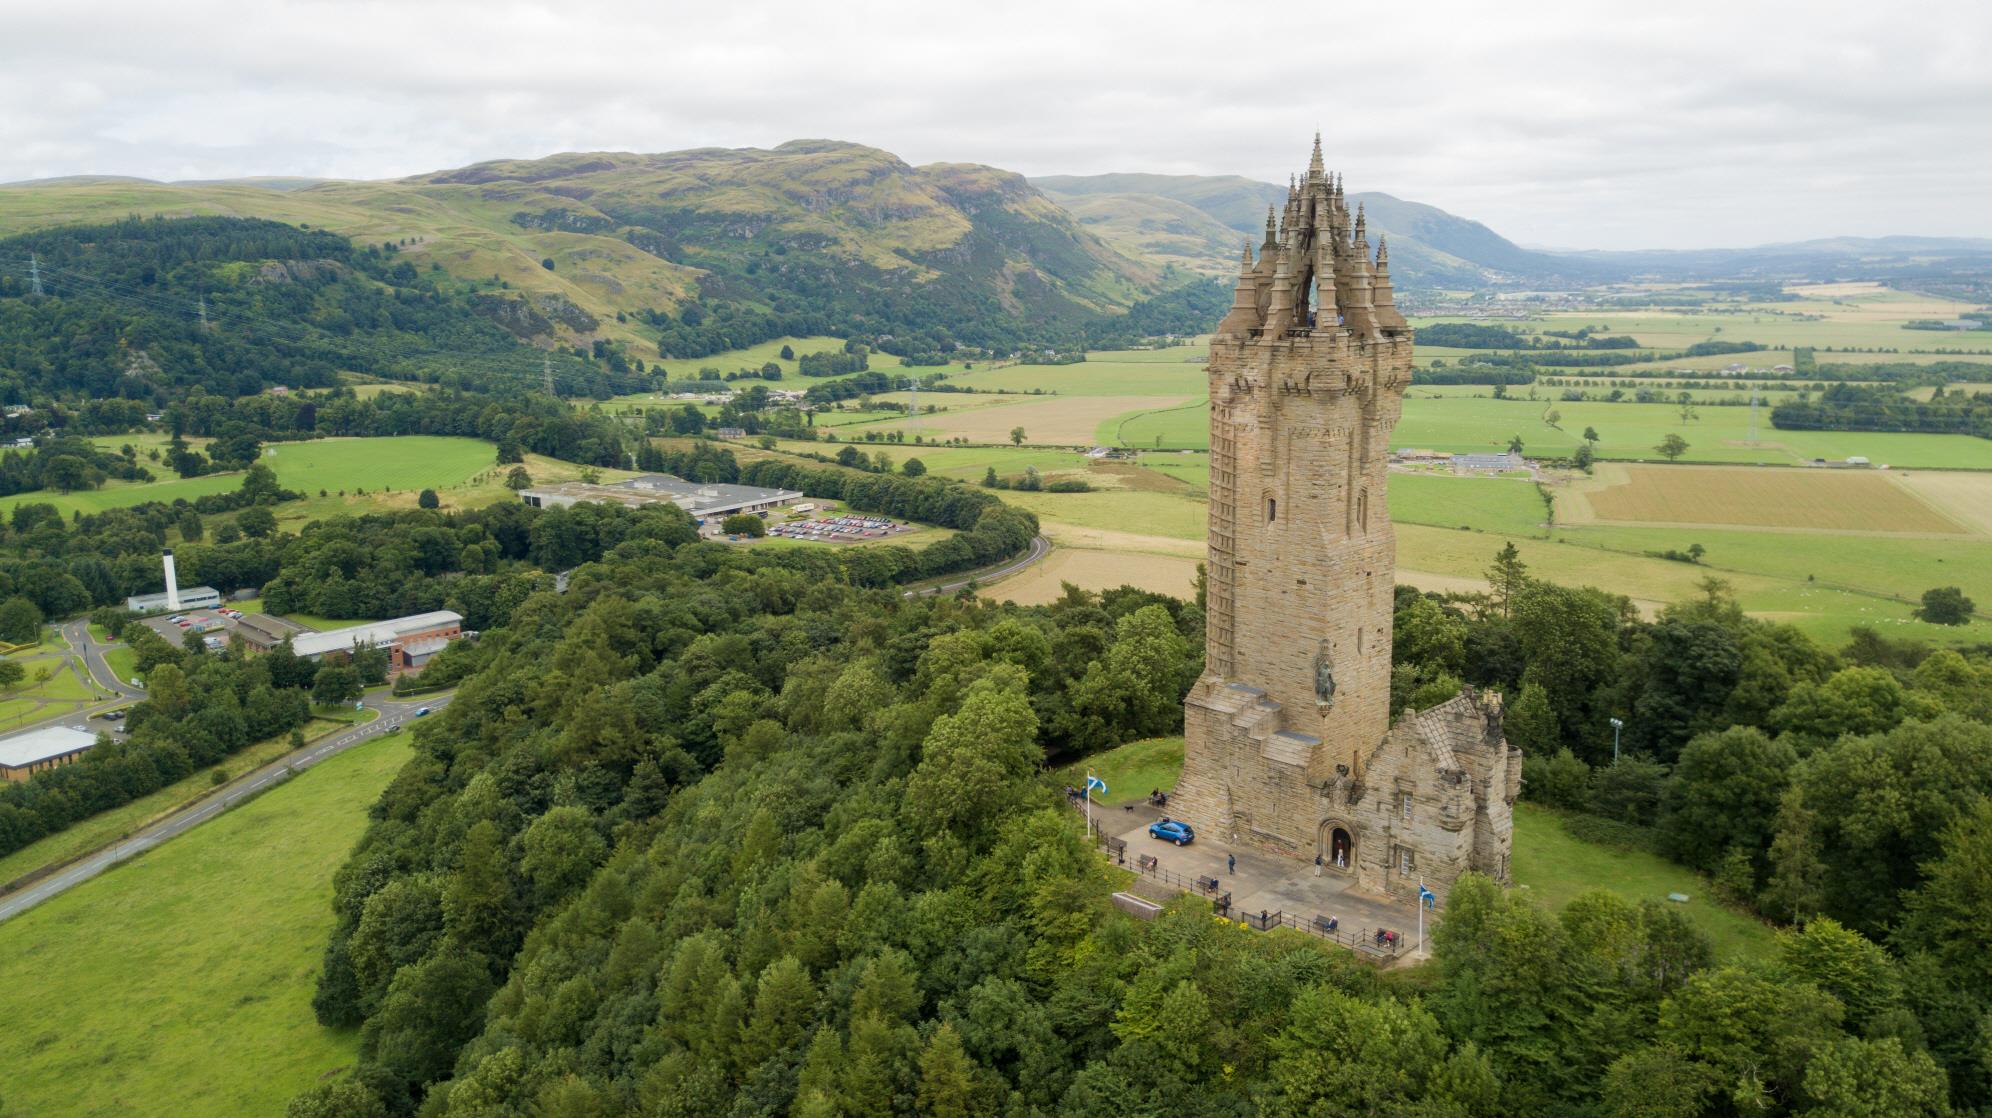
[(1617, 725)]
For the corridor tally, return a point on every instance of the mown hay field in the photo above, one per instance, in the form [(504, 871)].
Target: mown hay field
[(1045, 581), (1810, 499)]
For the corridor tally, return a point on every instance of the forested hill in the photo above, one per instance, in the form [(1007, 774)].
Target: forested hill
[(686, 254), (720, 832), (116, 321)]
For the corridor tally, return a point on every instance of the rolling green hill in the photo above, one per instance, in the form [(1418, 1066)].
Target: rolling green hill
[(695, 252)]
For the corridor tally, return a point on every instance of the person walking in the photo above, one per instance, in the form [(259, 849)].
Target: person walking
[(1230, 864)]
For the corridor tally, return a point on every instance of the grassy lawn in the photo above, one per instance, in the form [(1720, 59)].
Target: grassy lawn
[(62, 694), (123, 661), (108, 826), (1555, 867), (1131, 771), (181, 982)]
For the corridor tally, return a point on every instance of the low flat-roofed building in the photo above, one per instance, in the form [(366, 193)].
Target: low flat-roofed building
[(701, 501), (395, 635), (262, 633), (415, 654), (192, 597), (24, 755)]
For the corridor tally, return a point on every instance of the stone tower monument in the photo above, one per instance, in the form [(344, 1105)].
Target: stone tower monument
[(1290, 746)]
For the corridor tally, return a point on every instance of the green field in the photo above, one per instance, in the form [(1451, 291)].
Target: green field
[(406, 463), (1555, 866), (1461, 424), (1448, 526), (1152, 514), (108, 826), (1161, 372), (1511, 505), (181, 982)]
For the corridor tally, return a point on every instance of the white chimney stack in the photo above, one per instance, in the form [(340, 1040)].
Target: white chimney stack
[(172, 582)]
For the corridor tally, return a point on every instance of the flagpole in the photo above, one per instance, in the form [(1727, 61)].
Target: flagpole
[(1421, 918), (1087, 791)]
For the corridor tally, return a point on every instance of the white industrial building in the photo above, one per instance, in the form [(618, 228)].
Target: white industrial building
[(174, 598), (702, 501), (410, 641), (24, 755)]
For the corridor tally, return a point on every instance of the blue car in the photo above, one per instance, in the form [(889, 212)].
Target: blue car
[(1170, 830), (421, 712)]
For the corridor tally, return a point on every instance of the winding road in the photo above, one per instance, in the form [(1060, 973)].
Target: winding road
[(1040, 547), (390, 716), (77, 633)]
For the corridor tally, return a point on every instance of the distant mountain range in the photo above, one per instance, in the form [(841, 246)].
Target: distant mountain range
[(1201, 222), (684, 251)]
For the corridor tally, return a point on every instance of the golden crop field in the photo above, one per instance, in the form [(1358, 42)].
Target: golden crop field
[(1817, 499)]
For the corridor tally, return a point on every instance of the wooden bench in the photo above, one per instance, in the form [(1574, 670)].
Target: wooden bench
[(1146, 862), (1326, 924), (1207, 884)]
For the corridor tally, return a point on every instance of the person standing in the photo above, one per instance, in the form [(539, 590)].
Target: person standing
[(1230, 864)]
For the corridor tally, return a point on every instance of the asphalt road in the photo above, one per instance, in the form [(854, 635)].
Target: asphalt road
[(1040, 547), (392, 716), (77, 633)]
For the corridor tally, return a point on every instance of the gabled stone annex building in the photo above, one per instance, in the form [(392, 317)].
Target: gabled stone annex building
[(1289, 742)]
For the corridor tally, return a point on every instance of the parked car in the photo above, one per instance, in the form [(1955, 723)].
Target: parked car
[(1173, 830), (114, 715)]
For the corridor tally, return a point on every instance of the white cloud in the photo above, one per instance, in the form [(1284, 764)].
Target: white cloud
[(1604, 124)]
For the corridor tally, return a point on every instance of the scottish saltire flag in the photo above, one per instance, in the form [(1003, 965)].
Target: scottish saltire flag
[(1095, 784), (1426, 897)]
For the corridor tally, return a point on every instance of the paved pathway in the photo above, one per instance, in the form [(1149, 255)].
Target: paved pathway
[(1261, 881), (390, 716)]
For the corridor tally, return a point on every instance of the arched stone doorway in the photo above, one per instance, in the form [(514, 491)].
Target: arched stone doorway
[(1337, 846)]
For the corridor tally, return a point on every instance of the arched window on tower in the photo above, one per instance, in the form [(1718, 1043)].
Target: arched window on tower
[(1272, 510)]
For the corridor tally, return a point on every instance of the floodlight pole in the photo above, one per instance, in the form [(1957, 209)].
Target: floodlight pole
[(1617, 725)]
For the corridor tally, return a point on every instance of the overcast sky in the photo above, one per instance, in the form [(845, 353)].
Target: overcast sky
[(1597, 124)]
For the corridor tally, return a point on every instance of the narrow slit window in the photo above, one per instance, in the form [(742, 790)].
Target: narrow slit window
[(1272, 510)]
